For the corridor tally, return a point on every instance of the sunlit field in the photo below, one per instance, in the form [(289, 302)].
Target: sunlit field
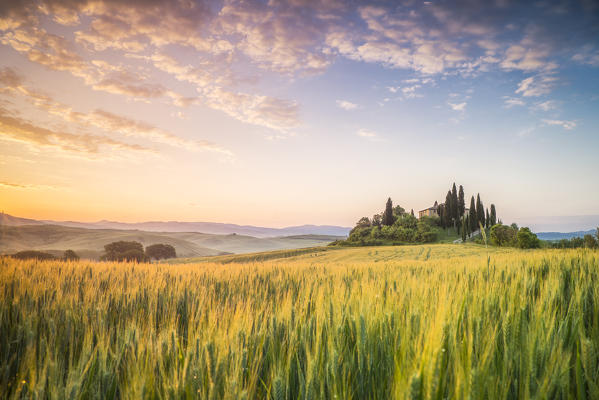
[(416, 322)]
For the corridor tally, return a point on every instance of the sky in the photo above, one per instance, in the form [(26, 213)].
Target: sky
[(279, 113)]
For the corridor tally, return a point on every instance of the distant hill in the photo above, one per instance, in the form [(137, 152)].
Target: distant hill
[(564, 235), (89, 243), (175, 226)]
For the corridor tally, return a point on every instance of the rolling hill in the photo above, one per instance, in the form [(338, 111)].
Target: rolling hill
[(176, 226), (89, 243)]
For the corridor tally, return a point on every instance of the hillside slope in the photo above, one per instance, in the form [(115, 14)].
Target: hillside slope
[(89, 243)]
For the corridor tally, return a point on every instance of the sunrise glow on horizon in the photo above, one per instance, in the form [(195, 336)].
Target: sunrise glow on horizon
[(282, 113)]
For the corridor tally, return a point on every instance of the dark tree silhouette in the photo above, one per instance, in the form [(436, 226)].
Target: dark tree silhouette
[(461, 202), (70, 255), (454, 204), (124, 251), (161, 251), (472, 215), (388, 214)]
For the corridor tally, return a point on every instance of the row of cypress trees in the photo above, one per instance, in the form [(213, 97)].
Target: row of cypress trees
[(453, 212)]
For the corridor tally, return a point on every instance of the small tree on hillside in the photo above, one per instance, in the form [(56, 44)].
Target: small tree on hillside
[(124, 251), (388, 214), (377, 220), (412, 214), (70, 255), (487, 219), (161, 251), (464, 228)]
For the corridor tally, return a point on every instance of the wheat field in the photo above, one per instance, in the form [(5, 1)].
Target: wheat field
[(409, 322)]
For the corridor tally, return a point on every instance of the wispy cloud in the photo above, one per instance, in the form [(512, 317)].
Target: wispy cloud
[(25, 186), (368, 134), (346, 105), (568, 125), (457, 106), (536, 86), (14, 128), (546, 105), (510, 102)]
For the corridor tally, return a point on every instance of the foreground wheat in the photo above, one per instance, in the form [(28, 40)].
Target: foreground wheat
[(414, 322)]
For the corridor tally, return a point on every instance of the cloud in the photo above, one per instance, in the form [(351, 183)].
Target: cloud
[(458, 106), (25, 186), (277, 114), (588, 55), (106, 121), (510, 102), (527, 59), (536, 86), (346, 105), (13, 128), (368, 134), (568, 125), (546, 105)]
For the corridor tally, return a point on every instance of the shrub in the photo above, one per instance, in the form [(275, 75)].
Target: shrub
[(527, 240), (503, 235), (590, 241)]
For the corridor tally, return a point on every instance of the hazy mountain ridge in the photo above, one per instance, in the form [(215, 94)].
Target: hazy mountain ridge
[(564, 235), (216, 228)]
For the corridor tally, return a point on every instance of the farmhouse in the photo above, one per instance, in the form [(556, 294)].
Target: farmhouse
[(435, 210), (431, 211)]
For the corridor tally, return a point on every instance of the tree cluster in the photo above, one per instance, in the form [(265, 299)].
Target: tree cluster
[(588, 241), (33, 255), (69, 255), (393, 226), (134, 251), (504, 235), (453, 212)]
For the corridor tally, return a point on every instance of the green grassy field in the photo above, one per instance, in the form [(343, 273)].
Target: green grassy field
[(418, 322)]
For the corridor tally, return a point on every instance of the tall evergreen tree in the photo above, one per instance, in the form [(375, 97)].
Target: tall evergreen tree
[(447, 210), (454, 204), (480, 210), (461, 203), (464, 228), (472, 215), (493, 215), (487, 220), (412, 212), (388, 214)]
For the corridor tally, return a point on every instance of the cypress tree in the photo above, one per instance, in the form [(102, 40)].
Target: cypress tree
[(463, 229), (493, 215), (472, 215), (388, 214), (487, 219), (447, 211), (461, 203), (454, 204), (480, 210), (412, 212)]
